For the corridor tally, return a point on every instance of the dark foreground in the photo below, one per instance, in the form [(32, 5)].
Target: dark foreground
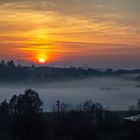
[(23, 119)]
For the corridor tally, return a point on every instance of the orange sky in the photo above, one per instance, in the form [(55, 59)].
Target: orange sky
[(77, 32)]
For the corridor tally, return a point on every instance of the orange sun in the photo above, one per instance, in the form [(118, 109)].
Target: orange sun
[(42, 58)]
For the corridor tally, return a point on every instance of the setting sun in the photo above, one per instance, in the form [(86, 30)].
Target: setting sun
[(42, 60)]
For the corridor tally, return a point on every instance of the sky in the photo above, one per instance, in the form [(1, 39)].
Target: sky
[(98, 33)]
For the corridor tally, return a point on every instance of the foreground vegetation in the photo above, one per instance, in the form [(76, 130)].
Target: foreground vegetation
[(22, 118)]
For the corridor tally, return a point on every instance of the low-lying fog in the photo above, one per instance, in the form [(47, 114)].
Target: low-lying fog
[(113, 93)]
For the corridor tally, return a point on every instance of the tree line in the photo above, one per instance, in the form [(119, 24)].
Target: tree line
[(9, 71), (22, 118)]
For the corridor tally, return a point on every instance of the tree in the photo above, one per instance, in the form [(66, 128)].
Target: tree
[(4, 109), (65, 107), (4, 116), (10, 64), (94, 109), (3, 63), (13, 105), (28, 121), (88, 106), (29, 102)]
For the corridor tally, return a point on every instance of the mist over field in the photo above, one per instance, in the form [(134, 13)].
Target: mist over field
[(113, 93)]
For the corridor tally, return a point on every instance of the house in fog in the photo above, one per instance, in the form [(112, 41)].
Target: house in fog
[(133, 118)]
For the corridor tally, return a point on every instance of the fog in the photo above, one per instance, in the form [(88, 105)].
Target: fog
[(113, 93)]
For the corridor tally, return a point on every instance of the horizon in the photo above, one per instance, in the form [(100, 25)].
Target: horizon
[(84, 66)]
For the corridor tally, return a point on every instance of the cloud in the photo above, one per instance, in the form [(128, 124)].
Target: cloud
[(123, 13), (83, 28)]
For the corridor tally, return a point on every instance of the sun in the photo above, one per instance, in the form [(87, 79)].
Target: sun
[(42, 57), (42, 60)]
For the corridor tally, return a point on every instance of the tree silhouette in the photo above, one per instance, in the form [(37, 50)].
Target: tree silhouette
[(10, 64), (29, 102), (26, 110), (88, 106)]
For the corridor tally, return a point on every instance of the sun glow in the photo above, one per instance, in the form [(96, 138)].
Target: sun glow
[(42, 58)]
